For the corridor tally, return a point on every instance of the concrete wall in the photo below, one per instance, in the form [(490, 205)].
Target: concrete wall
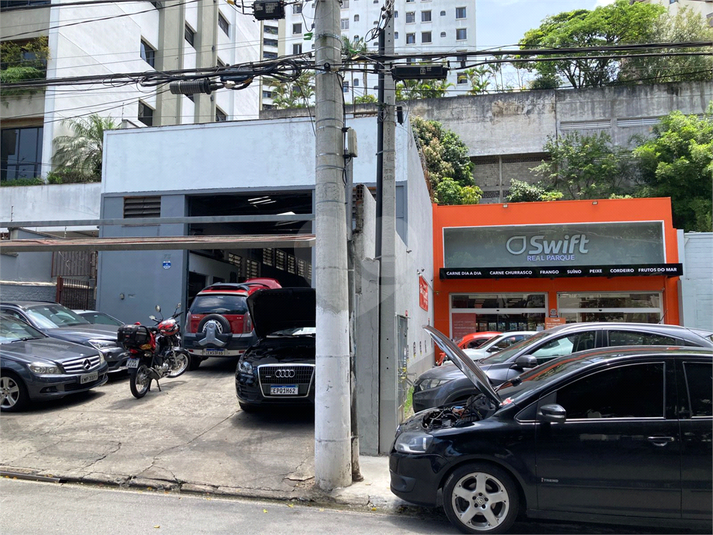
[(697, 280), (26, 275)]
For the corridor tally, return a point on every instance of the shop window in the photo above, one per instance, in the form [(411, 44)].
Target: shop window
[(638, 307), (21, 153), (496, 312)]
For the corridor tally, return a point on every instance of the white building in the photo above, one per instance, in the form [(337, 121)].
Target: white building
[(112, 38), (420, 26), (702, 7)]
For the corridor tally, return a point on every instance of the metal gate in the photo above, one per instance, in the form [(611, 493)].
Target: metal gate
[(75, 294)]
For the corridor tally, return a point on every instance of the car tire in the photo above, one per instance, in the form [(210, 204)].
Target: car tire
[(481, 498), (13, 392), (194, 362), (224, 324)]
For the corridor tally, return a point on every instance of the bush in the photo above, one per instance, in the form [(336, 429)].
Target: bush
[(66, 175)]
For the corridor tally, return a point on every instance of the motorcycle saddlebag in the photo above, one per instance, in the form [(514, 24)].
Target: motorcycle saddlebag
[(134, 337)]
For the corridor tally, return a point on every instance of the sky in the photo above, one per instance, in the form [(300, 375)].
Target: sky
[(500, 23)]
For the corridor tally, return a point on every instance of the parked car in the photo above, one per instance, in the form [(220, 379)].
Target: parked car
[(497, 344), (446, 384), (218, 323), (618, 435), (470, 341), (100, 318), (279, 368), (35, 367), (57, 321)]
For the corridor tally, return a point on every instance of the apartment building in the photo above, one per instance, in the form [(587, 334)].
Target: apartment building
[(107, 38), (702, 7), (420, 26)]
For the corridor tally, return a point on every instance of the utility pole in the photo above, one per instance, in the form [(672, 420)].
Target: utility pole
[(332, 423), (386, 240)]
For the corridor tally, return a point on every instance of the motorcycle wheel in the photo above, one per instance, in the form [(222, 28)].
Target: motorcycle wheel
[(139, 381), (178, 362)]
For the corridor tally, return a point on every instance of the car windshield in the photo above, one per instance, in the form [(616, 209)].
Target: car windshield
[(219, 304), (505, 354), (52, 316), (295, 331), (14, 330), (101, 318)]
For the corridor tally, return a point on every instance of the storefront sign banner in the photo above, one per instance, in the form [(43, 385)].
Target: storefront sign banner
[(666, 270)]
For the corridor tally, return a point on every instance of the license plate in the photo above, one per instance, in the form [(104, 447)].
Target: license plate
[(88, 377), (285, 390), (213, 352), (132, 363)]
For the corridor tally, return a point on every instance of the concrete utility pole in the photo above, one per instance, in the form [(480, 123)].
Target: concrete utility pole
[(332, 425), (386, 242)]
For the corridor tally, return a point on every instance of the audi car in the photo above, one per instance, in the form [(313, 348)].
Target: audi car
[(279, 368)]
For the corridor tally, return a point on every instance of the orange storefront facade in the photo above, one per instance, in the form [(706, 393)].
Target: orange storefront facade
[(528, 266)]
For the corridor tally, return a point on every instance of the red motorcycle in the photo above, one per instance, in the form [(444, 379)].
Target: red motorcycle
[(154, 352)]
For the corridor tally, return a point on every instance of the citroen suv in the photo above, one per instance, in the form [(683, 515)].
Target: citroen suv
[(218, 323)]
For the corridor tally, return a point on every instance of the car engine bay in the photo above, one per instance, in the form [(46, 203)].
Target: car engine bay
[(476, 408)]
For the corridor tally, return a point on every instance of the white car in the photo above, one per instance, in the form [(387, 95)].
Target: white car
[(500, 342)]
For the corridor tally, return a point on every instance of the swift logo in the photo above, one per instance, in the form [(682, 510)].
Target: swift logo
[(517, 245)]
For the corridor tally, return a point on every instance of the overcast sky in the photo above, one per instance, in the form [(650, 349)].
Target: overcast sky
[(501, 23)]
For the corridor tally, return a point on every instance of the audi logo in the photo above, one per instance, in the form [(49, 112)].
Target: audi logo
[(285, 374)]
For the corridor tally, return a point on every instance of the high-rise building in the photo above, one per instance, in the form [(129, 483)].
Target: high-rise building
[(420, 26), (702, 7), (106, 38)]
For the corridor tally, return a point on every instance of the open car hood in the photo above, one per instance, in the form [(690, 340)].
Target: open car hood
[(469, 368), (283, 308)]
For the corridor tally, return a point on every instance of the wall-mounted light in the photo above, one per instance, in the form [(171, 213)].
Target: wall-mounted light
[(595, 202), (505, 205)]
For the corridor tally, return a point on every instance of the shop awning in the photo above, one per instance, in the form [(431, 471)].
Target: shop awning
[(159, 243), (552, 272)]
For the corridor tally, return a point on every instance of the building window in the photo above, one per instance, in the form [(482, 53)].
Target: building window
[(425, 16), (356, 18), (145, 114), (269, 55), (272, 30), (425, 37), (443, 13), (296, 9), (410, 16), (296, 28), (345, 86), (462, 79), (148, 53), (190, 35), (223, 24), (270, 42), (220, 115), (345, 4), (396, 35), (344, 23), (21, 153), (443, 34), (220, 63), (410, 38), (396, 14), (356, 82), (461, 34), (460, 13), (267, 94), (297, 49)]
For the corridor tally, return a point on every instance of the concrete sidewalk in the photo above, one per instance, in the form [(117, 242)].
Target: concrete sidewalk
[(190, 437)]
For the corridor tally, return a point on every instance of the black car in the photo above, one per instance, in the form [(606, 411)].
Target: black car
[(447, 384), (35, 367), (279, 367), (57, 321), (619, 435)]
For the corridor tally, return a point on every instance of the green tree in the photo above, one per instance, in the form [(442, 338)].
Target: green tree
[(686, 27), (82, 151), (355, 51), (366, 99), (617, 23), (448, 165), (294, 94), (418, 89), (677, 162), (23, 61), (478, 80), (586, 167), (524, 192)]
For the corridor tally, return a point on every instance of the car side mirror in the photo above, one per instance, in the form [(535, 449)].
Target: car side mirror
[(525, 361), (152, 317), (553, 413)]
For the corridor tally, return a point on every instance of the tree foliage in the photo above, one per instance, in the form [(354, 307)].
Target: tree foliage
[(677, 162), (294, 94), (418, 89), (81, 153), (449, 168), (524, 192), (618, 23), (686, 26), (23, 62)]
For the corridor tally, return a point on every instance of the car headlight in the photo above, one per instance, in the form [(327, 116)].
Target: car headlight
[(413, 442), (101, 359), (102, 344), (245, 367), (427, 384), (42, 368)]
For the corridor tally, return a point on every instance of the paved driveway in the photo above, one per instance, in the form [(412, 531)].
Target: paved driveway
[(191, 435)]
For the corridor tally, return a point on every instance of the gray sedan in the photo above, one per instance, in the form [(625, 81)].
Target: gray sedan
[(35, 367)]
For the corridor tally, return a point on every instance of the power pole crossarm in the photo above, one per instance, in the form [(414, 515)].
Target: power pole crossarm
[(332, 425)]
